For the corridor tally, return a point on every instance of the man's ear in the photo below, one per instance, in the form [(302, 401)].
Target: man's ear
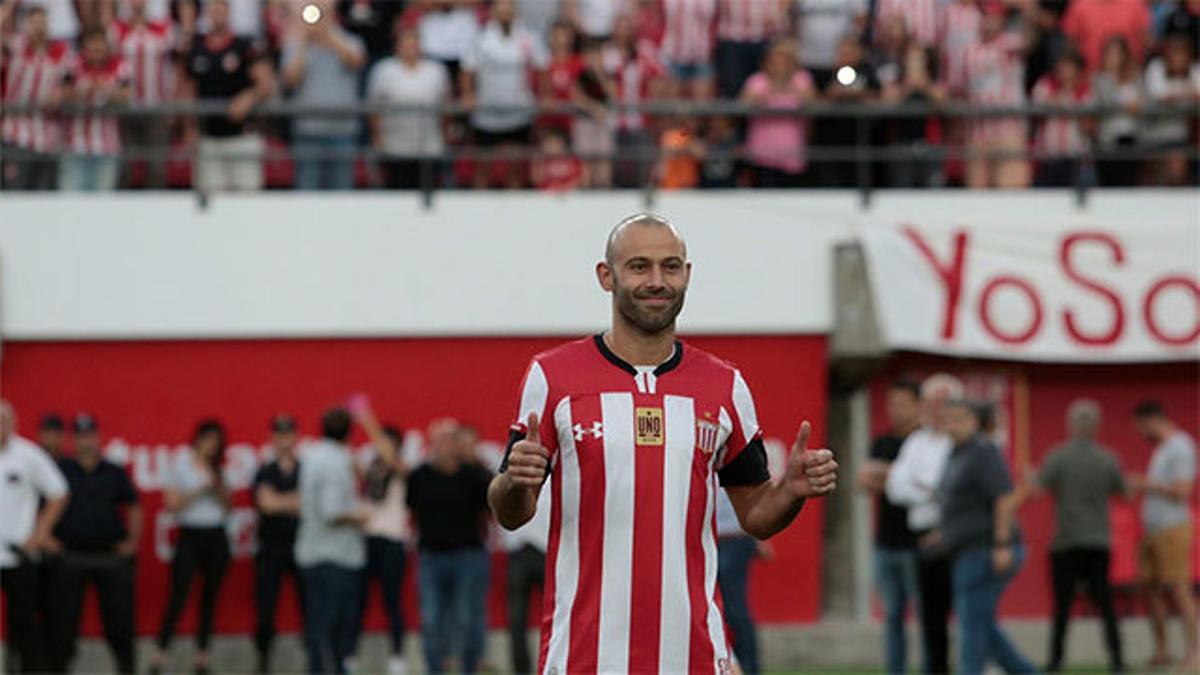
[(604, 274)]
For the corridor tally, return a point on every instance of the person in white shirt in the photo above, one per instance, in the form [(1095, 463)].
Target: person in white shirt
[(912, 483), (526, 548), (408, 141), (27, 476)]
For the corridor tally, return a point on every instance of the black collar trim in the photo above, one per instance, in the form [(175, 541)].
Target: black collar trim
[(664, 367)]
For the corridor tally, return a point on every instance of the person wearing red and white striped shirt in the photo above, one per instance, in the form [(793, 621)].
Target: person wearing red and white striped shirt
[(921, 17), (635, 429), (1060, 141), (958, 29), (97, 78), (687, 46), (744, 27), (640, 77), (147, 47), (34, 69), (995, 76)]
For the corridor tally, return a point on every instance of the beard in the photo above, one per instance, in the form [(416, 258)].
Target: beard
[(649, 321)]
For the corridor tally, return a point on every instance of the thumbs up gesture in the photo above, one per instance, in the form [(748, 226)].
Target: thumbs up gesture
[(528, 460), (810, 473)]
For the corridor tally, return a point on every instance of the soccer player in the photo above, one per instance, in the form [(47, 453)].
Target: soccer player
[(635, 429)]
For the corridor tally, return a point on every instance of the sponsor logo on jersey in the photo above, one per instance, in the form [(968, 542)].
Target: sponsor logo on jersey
[(649, 426)]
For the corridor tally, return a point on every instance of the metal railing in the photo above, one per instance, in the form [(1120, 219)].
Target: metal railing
[(864, 154)]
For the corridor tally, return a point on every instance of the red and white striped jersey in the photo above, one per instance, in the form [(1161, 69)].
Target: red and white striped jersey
[(634, 75), (921, 17), (96, 134), (688, 31), (1060, 136), (34, 76), (959, 29), (631, 561), (995, 73), (148, 49), (749, 20)]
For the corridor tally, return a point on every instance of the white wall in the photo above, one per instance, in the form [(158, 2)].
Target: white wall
[(288, 264)]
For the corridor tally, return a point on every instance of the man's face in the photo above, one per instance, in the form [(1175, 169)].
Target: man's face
[(51, 439), (1145, 428), (218, 14), (35, 25), (960, 423), (95, 50), (933, 408), (504, 11), (648, 277), (284, 441), (137, 7), (87, 444), (903, 408)]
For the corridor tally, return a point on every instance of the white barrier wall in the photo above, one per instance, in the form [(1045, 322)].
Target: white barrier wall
[(289, 264)]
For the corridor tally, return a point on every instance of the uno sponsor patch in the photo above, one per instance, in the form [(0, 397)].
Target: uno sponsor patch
[(649, 426)]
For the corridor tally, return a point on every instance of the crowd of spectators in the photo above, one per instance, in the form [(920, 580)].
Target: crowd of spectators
[(535, 92)]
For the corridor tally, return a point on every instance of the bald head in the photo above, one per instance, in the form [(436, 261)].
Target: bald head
[(1083, 419), (615, 248)]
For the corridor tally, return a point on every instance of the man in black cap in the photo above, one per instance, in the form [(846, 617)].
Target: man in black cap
[(277, 498), (98, 546), (50, 435)]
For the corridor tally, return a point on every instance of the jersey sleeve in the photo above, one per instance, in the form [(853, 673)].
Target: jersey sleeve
[(47, 477), (744, 460), (535, 398)]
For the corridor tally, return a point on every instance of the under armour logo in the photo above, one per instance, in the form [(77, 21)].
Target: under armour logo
[(597, 430)]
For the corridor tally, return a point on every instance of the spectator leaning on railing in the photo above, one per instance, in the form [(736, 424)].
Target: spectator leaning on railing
[(148, 48), (776, 144), (1061, 141), (995, 77), (1117, 84), (97, 78), (1172, 79)]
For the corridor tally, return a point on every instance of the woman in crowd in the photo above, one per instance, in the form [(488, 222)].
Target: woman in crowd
[(1117, 84), (196, 494), (1172, 79), (776, 144)]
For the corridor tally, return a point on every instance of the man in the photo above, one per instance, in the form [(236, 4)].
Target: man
[(895, 546), (330, 547), (29, 478), (321, 65), (978, 530), (148, 46), (98, 539), (526, 548), (912, 482), (448, 500), (277, 499), (34, 67), (222, 66), (50, 435), (1166, 551), (638, 428), (92, 145), (1082, 476)]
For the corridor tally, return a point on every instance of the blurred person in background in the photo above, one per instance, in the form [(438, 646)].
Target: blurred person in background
[(920, 19), (222, 66), (374, 22), (918, 84), (681, 149), (592, 132), (62, 16), (1165, 554), (958, 30), (321, 64), (556, 168), (593, 19), (640, 77), (995, 76), (721, 168), (98, 79), (887, 57), (276, 491), (1172, 79), (744, 29), (97, 541), (558, 83), (895, 544), (148, 48), (526, 548), (978, 529), (449, 30), (539, 16), (387, 528), (195, 492), (775, 145), (410, 142), (448, 499), (1117, 84), (33, 499), (1088, 24), (736, 550), (330, 548), (1182, 17), (1062, 142), (820, 26), (688, 45), (912, 482), (853, 83), (1082, 476), (498, 71), (50, 435), (35, 68)]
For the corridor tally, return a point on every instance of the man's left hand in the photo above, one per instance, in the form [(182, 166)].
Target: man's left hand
[(810, 473)]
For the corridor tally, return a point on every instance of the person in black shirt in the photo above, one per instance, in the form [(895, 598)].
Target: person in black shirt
[(448, 500), (221, 66), (895, 543), (277, 498), (50, 435), (98, 545)]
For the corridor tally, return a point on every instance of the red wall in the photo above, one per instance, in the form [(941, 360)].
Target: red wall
[(1051, 388), (154, 392)]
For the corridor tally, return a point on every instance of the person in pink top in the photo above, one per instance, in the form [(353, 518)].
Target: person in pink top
[(775, 145), (1089, 23)]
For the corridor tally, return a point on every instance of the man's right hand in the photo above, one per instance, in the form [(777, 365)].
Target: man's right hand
[(528, 460)]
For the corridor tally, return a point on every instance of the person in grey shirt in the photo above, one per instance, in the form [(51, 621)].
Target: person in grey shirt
[(1082, 476), (330, 546), (1165, 557), (321, 64)]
